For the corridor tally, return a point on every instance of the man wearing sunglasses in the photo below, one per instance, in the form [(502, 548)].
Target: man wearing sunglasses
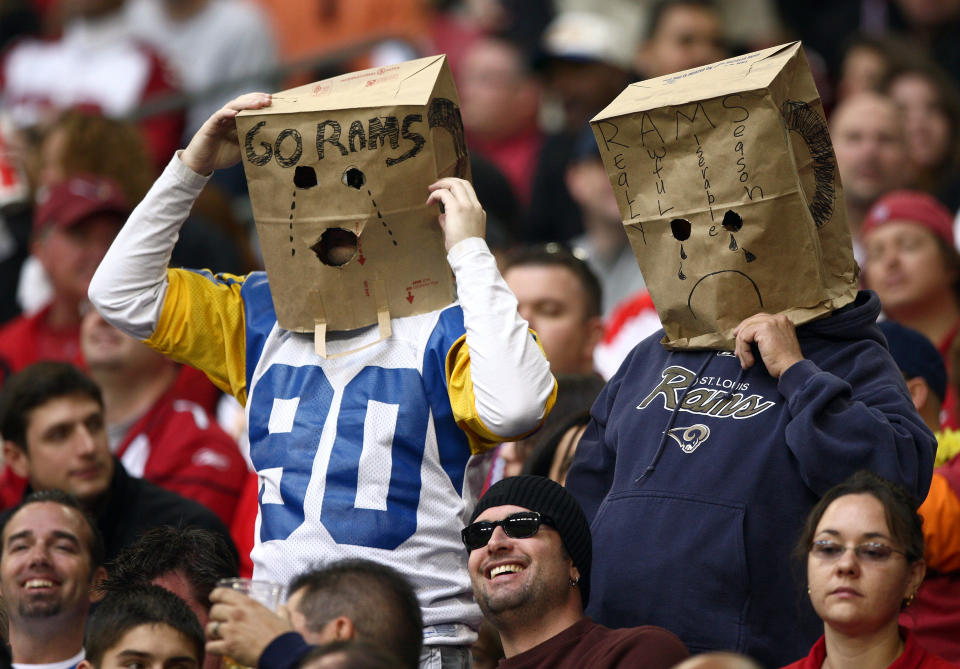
[(529, 551)]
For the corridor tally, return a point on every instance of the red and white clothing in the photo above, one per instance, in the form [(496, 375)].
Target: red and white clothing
[(178, 446), (23, 341), (914, 656), (96, 64), (632, 321), (29, 338)]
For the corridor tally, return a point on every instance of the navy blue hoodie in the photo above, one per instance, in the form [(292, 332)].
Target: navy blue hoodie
[(698, 477)]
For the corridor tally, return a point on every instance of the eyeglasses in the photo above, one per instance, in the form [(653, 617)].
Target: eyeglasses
[(520, 525), (871, 551)]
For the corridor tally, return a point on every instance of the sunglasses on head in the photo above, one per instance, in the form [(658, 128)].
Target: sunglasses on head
[(520, 525)]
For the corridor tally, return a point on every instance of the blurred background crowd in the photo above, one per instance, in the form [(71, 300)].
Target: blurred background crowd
[(97, 95), (113, 87)]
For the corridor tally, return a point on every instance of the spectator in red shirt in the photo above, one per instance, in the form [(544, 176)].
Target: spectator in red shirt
[(157, 433), (495, 76), (74, 223)]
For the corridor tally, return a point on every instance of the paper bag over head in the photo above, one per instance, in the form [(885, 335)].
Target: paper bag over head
[(728, 188), (338, 172)]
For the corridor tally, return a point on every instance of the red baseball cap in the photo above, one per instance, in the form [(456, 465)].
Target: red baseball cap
[(77, 198), (910, 206)]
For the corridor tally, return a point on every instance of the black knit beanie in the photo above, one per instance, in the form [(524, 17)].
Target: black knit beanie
[(550, 499)]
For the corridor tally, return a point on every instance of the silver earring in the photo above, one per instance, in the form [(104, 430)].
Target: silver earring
[(574, 582)]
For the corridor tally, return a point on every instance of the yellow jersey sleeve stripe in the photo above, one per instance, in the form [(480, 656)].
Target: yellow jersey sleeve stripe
[(203, 324), (463, 401)]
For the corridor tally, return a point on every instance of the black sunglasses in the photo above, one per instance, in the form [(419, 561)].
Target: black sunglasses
[(520, 525)]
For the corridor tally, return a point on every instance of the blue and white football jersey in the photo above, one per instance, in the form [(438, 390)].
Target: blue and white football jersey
[(362, 455)]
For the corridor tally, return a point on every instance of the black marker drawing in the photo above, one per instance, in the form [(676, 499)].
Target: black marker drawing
[(293, 206), (444, 114), (305, 178), (680, 228), (753, 284), (380, 216), (732, 222), (805, 121)]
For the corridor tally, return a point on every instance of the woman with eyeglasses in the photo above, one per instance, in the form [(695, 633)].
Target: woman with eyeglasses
[(863, 549)]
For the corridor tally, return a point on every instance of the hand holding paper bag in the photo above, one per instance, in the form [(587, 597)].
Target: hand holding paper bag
[(215, 145), (463, 216), (729, 192), (349, 159), (776, 339)]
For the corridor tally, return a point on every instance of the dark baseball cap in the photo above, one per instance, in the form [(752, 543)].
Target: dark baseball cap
[(916, 355)]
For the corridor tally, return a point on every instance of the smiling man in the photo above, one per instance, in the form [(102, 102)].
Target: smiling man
[(51, 419), (529, 560), (50, 559)]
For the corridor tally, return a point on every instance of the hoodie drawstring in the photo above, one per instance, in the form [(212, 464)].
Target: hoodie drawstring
[(673, 417)]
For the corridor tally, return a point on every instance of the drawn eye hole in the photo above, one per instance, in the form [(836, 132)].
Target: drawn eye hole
[(354, 178), (732, 221), (304, 177), (680, 227)]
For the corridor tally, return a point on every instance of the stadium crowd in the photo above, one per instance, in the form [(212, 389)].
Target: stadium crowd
[(543, 501)]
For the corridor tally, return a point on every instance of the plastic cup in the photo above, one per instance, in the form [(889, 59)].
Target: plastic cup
[(266, 592)]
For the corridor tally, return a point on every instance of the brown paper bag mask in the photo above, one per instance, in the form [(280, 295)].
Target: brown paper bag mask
[(729, 191), (347, 161)]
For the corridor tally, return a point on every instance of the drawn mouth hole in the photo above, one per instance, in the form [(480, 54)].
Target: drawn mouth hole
[(680, 227), (732, 221), (304, 177), (354, 178), (336, 247)]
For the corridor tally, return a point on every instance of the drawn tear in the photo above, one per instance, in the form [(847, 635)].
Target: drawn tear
[(293, 206), (680, 274), (733, 243), (683, 254), (749, 256)]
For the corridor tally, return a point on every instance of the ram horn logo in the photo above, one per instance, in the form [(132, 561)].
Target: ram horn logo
[(691, 437)]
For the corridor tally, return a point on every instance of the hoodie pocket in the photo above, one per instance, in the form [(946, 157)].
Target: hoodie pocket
[(673, 560)]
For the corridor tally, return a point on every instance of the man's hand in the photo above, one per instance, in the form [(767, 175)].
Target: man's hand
[(242, 627), (776, 339), (463, 216), (215, 144)]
